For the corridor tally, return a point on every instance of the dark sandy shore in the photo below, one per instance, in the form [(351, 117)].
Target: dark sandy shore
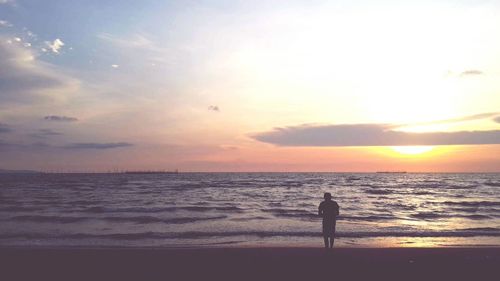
[(251, 264)]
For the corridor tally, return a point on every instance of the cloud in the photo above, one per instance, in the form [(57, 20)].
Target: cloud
[(140, 46), (115, 66), (213, 108), (60, 118), (137, 41), (49, 132), (38, 146), (23, 79), (370, 135), (460, 119), (93, 145), (4, 23), (4, 128), (55, 46), (17, 146), (474, 117), (471, 72), (497, 119), (43, 133), (4, 144)]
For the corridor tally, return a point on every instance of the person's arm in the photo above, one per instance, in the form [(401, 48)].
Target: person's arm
[(337, 211), (320, 210)]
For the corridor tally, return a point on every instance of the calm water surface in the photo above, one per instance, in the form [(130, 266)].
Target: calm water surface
[(248, 209)]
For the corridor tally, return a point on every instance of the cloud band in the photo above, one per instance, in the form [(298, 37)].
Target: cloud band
[(370, 135), (92, 145), (60, 118)]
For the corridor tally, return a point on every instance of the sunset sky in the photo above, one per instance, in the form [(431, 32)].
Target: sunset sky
[(250, 85)]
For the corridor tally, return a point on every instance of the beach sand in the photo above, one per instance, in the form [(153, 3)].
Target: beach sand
[(250, 264)]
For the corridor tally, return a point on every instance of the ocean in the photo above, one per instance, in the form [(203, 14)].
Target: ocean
[(248, 209)]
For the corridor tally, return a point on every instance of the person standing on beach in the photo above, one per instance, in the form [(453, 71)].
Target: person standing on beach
[(328, 210)]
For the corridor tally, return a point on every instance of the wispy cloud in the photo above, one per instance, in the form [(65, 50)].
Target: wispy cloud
[(60, 118), (474, 117), (44, 133), (55, 45), (39, 146), (370, 135), (4, 128), (4, 23), (471, 72), (94, 145), (497, 119), (24, 79), (213, 108), (139, 41), (19, 146), (139, 44)]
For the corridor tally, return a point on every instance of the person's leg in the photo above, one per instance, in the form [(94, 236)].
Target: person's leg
[(325, 233), (332, 237)]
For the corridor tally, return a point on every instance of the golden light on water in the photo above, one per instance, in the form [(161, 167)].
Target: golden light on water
[(412, 150)]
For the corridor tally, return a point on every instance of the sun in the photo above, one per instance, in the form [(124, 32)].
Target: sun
[(412, 150)]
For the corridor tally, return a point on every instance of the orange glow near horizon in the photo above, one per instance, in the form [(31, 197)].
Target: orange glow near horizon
[(412, 150)]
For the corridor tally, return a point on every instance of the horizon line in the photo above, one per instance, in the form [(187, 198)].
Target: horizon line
[(30, 171)]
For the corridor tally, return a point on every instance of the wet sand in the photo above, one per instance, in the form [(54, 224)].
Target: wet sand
[(250, 264)]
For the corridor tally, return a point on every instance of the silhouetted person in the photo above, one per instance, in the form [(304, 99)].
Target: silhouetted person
[(328, 210)]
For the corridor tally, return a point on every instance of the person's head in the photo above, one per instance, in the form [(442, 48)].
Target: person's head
[(327, 196)]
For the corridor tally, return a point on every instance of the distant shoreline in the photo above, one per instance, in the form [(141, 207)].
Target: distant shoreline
[(204, 172)]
